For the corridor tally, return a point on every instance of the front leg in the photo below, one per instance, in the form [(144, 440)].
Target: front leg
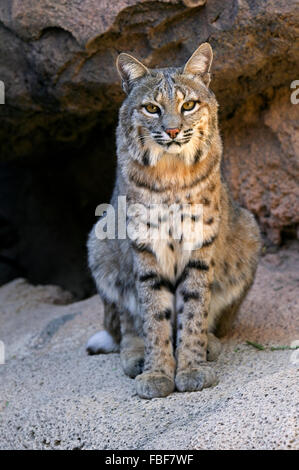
[(193, 373), (156, 299)]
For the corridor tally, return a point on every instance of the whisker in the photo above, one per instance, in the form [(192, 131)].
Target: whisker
[(143, 140), (144, 136)]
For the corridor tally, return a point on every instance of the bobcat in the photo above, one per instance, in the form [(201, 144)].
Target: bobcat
[(165, 298)]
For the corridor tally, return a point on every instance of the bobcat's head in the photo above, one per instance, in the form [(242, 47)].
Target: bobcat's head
[(170, 110)]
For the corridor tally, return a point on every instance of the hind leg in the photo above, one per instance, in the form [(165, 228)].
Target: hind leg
[(131, 347), (226, 318), (225, 304), (214, 347), (119, 334), (235, 264), (228, 292)]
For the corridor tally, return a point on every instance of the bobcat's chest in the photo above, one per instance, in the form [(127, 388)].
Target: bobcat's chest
[(172, 232)]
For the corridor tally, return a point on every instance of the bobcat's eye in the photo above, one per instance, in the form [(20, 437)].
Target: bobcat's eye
[(152, 108), (188, 105)]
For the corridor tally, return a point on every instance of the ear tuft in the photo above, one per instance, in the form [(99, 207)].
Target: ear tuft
[(200, 62), (129, 69)]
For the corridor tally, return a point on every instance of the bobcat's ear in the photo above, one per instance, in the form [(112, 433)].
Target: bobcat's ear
[(130, 69), (200, 62)]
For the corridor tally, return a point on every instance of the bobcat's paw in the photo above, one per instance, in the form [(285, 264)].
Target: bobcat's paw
[(214, 347), (193, 380), (132, 362), (154, 385)]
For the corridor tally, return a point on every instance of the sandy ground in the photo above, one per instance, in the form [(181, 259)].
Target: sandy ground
[(54, 396)]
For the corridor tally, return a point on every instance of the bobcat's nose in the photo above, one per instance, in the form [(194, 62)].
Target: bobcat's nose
[(173, 132)]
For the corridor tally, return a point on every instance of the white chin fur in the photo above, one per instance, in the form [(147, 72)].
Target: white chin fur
[(101, 342), (174, 149)]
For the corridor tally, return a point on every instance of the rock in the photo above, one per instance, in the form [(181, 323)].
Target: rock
[(63, 92), (261, 161)]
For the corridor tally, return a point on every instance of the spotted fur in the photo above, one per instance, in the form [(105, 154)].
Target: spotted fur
[(164, 298)]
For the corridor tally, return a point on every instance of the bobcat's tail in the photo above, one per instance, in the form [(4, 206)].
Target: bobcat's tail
[(101, 343)]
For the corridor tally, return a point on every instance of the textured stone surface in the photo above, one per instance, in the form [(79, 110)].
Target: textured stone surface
[(60, 56), (54, 396), (62, 96), (261, 161)]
